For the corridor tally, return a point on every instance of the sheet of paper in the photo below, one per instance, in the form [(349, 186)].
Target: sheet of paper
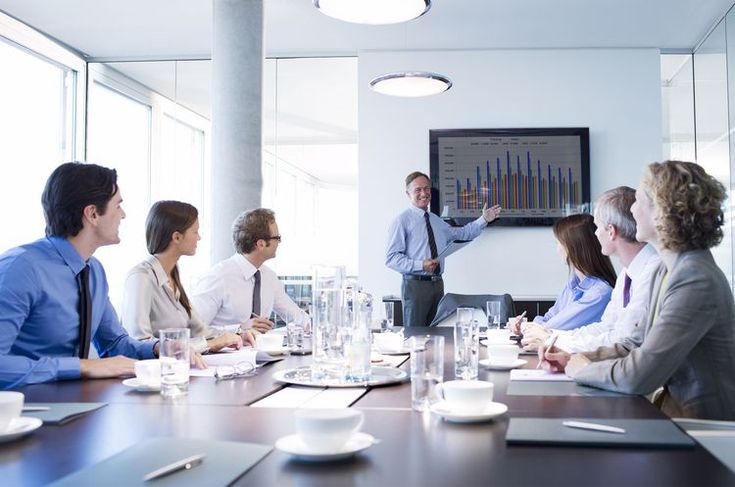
[(538, 375)]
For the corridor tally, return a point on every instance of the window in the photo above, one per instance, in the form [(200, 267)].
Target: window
[(39, 97)]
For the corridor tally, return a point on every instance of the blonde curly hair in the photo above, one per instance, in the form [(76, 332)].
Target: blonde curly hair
[(689, 203)]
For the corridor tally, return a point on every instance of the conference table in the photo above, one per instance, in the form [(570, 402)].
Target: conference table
[(414, 449)]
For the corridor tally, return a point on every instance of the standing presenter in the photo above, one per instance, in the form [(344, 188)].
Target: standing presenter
[(415, 239)]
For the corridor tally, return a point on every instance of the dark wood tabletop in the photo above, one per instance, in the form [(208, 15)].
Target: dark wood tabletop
[(415, 448)]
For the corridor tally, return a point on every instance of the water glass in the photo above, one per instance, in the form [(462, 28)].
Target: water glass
[(493, 315), (427, 370), (466, 349), (295, 336), (389, 305), (174, 355)]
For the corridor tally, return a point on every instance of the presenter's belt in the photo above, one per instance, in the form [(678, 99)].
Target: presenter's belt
[(421, 277)]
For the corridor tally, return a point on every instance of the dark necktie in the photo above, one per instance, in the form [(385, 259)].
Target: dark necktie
[(85, 313), (626, 291), (432, 241), (256, 293)]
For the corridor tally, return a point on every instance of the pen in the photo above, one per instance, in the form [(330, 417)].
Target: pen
[(593, 427), (551, 344), (30, 409), (519, 319), (184, 464)]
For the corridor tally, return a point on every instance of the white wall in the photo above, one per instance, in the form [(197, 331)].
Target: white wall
[(616, 93)]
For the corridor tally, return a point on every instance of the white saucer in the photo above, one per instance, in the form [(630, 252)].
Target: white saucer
[(492, 410), (293, 445), (274, 351), (138, 386), (20, 426), (502, 366)]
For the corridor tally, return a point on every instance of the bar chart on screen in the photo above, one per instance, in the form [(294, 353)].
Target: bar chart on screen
[(530, 176)]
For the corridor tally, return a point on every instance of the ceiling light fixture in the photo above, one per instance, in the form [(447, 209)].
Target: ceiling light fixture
[(411, 83), (373, 11)]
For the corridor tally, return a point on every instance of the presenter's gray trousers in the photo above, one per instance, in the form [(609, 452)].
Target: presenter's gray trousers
[(420, 299)]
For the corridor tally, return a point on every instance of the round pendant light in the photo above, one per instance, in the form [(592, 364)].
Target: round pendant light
[(411, 83), (373, 11)]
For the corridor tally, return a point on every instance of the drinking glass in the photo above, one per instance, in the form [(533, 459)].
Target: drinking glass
[(427, 370), (466, 346), (493, 315), (174, 355), (295, 336), (388, 316)]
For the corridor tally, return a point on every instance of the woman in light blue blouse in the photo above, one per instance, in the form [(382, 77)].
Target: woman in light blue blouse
[(591, 275)]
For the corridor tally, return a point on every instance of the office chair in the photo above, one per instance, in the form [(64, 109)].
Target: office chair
[(450, 302)]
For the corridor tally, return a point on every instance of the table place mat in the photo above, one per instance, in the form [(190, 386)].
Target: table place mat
[(639, 433), (288, 397), (335, 398), (62, 412), (538, 375), (559, 388), (224, 462)]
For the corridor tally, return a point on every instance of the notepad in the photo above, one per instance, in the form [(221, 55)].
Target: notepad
[(62, 412), (557, 388), (224, 462), (232, 357), (639, 433)]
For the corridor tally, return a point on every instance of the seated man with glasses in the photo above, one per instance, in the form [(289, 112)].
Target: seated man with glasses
[(241, 290)]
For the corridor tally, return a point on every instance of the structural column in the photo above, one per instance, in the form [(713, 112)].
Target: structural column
[(237, 85)]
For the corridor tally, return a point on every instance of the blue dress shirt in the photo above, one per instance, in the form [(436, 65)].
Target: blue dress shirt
[(580, 303), (408, 240), (39, 314)]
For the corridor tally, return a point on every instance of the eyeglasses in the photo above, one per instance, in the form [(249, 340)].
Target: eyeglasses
[(242, 369), (274, 237)]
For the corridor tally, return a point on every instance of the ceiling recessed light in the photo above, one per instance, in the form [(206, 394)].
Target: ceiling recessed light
[(373, 11), (411, 83)]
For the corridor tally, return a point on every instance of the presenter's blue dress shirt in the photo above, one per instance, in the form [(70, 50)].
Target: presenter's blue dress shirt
[(408, 240), (580, 303), (39, 317)]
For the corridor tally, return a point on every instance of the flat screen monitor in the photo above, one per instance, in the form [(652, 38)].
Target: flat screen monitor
[(537, 175)]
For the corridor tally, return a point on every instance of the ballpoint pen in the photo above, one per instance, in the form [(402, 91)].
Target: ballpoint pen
[(551, 344), (184, 464), (30, 409), (593, 427)]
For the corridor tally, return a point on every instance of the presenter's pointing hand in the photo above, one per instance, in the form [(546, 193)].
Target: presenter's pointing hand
[(490, 214)]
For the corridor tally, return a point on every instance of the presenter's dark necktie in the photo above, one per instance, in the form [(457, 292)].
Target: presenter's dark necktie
[(626, 291), (432, 241), (256, 293), (85, 313)]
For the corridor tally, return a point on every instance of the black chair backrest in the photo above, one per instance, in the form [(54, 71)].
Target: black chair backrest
[(450, 302)]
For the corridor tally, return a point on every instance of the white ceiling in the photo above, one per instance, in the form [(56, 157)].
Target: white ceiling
[(168, 28), (315, 128)]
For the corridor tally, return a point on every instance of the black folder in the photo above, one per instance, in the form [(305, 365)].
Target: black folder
[(639, 433)]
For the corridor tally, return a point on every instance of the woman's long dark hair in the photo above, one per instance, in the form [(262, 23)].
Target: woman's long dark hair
[(577, 234), (165, 218)]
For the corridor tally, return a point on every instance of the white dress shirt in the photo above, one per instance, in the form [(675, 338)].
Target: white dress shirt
[(618, 324), (224, 295), (150, 305)]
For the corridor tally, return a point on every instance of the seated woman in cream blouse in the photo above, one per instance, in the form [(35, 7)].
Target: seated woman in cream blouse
[(154, 298)]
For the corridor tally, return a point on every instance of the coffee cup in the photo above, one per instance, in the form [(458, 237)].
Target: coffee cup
[(327, 430), (388, 342), (498, 336), (148, 372), (11, 405), (502, 354), (269, 341), (466, 395)]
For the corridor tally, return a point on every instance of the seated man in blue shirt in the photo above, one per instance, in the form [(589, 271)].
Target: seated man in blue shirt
[(53, 293)]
